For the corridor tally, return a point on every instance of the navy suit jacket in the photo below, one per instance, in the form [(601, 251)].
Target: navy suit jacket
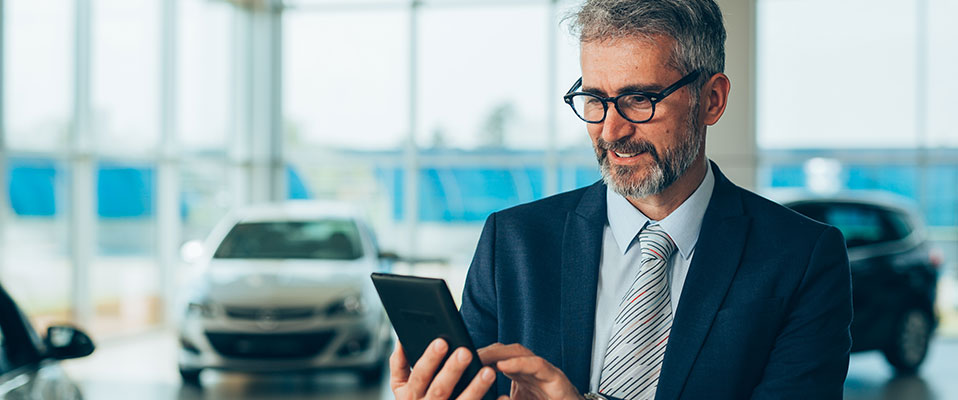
[(764, 313)]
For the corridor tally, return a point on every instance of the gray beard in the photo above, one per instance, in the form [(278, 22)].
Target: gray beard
[(660, 175)]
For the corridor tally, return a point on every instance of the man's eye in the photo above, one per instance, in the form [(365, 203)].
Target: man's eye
[(592, 101), (635, 101)]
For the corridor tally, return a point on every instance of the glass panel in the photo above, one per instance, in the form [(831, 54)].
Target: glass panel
[(296, 5), (850, 82), (204, 74), (898, 225), (859, 225), (205, 196), (941, 201), (346, 105), (942, 81), (374, 189), (482, 87), (572, 132), (35, 265), (38, 68), (124, 277), (470, 194), (346, 80), (125, 82), (317, 239)]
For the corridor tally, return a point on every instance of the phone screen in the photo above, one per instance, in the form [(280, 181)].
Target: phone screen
[(421, 310)]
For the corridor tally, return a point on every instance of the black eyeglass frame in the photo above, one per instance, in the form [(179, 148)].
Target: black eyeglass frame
[(653, 98)]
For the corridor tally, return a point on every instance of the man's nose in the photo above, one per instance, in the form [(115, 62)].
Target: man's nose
[(615, 127)]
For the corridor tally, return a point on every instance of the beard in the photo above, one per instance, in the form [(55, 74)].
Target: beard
[(630, 181)]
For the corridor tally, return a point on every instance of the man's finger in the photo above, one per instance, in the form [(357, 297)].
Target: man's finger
[(398, 368), (447, 378), (528, 367), (425, 368), (480, 385), (497, 352)]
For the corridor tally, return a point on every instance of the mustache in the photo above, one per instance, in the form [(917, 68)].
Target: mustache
[(626, 146)]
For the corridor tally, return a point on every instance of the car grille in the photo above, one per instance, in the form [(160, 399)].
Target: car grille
[(275, 314), (298, 345)]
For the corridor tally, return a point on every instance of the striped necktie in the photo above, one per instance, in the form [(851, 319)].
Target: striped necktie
[(641, 329)]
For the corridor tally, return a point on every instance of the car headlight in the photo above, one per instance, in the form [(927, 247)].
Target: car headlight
[(352, 305), (202, 308)]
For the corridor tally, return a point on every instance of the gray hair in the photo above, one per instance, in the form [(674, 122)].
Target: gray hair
[(695, 25)]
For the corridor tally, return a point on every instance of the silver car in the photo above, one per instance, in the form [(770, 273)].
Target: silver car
[(286, 287)]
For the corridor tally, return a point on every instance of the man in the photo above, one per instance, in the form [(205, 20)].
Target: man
[(665, 280)]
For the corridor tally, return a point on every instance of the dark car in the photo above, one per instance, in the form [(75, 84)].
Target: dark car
[(29, 365), (894, 274)]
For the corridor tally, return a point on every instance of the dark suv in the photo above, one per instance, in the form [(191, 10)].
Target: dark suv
[(894, 275)]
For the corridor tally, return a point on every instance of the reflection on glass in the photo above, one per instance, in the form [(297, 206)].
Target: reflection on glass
[(125, 82), (204, 73), (38, 75), (375, 189), (34, 262), (870, 48), (482, 86), (570, 130), (942, 81), (346, 79), (205, 196), (124, 276)]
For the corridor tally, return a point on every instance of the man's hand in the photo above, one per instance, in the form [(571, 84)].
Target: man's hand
[(533, 378), (424, 383)]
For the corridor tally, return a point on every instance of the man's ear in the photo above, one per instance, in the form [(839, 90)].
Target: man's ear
[(714, 98)]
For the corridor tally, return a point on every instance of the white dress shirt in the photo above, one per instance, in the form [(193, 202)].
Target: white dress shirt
[(620, 258)]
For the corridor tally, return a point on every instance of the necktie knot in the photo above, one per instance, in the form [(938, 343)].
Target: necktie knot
[(655, 243)]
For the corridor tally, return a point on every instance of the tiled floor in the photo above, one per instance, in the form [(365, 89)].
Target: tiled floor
[(144, 367), (870, 377)]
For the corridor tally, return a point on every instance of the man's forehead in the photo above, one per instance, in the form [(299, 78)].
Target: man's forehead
[(625, 64), (646, 46)]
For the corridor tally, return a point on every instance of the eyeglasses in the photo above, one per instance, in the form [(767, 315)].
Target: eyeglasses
[(636, 107)]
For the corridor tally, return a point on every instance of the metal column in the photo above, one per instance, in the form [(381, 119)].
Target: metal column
[(168, 224), (81, 164), (4, 187), (411, 151)]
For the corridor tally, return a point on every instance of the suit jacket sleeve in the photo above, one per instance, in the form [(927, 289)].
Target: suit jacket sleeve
[(479, 301), (809, 359)]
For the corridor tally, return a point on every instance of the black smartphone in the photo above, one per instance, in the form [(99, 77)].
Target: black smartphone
[(421, 310)]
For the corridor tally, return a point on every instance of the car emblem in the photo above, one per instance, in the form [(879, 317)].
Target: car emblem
[(266, 319)]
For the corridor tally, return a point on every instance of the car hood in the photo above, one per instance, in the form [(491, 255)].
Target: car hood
[(280, 283)]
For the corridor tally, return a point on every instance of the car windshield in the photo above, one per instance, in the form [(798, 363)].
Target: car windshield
[(329, 239), (860, 224)]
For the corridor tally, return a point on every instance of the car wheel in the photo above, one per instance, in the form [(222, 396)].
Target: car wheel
[(909, 345), (190, 376)]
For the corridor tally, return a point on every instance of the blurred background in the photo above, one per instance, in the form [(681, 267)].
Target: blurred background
[(131, 127)]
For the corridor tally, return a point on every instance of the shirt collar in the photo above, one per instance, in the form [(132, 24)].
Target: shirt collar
[(682, 225)]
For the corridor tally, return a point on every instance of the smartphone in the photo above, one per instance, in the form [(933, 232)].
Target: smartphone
[(421, 310)]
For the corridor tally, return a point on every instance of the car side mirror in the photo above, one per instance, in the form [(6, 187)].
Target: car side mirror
[(65, 342)]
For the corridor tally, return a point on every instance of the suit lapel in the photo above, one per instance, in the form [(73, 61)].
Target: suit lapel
[(581, 250), (717, 255)]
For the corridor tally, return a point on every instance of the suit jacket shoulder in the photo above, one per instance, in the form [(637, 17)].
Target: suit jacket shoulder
[(553, 208)]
